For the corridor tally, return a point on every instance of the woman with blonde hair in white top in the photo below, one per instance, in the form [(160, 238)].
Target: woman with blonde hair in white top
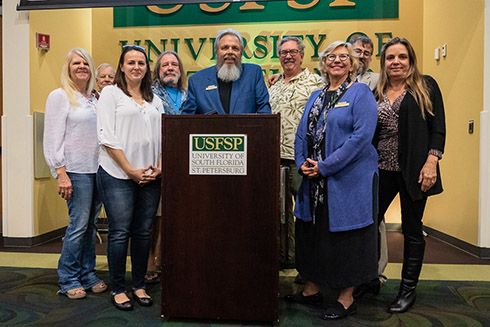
[(71, 152)]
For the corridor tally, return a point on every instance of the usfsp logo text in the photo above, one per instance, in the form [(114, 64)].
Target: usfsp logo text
[(218, 143), (254, 12)]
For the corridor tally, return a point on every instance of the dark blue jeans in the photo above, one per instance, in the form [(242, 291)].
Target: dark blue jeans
[(130, 209), (76, 266)]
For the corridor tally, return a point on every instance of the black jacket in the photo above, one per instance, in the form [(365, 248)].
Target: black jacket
[(417, 136)]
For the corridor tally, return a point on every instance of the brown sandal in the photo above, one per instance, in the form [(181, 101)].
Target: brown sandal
[(152, 277), (76, 293), (99, 288)]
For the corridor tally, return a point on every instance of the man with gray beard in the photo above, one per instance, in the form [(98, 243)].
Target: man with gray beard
[(230, 87), (169, 82)]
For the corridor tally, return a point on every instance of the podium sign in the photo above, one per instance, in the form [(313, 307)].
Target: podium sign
[(218, 154), (220, 234)]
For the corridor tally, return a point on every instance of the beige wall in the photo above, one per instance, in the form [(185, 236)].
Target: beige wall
[(67, 29), (455, 212), (460, 77), (92, 30)]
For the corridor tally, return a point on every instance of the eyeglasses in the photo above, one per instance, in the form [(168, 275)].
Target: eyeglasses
[(134, 47), (284, 53), (333, 56), (365, 53)]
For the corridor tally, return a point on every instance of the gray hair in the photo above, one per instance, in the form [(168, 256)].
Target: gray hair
[(182, 83), (301, 46), (363, 39), (228, 31), (101, 66)]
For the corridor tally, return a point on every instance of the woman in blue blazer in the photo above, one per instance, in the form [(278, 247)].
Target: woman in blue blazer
[(336, 205)]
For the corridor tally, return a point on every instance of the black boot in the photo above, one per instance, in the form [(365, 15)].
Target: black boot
[(412, 264)]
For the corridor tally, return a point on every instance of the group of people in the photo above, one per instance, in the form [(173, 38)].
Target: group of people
[(105, 147), (360, 140), (352, 139)]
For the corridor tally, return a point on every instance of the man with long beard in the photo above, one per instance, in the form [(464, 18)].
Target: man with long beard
[(230, 87)]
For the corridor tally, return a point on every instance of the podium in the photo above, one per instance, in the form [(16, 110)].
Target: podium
[(220, 211)]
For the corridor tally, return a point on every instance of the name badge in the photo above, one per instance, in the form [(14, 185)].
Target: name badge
[(342, 104), (211, 87)]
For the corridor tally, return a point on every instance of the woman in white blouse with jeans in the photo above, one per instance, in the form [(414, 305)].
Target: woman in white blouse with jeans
[(128, 178), (71, 152)]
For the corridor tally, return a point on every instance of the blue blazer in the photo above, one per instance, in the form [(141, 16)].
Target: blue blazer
[(351, 161), (248, 94)]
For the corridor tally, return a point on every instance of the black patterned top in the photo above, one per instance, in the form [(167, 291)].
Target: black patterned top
[(388, 133)]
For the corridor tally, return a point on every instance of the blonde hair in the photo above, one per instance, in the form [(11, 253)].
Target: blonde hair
[(67, 83), (354, 60), (414, 81)]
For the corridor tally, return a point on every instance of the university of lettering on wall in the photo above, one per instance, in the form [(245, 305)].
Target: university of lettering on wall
[(261, 47)]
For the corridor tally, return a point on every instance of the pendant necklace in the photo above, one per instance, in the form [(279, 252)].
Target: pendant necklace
[(173, 102)]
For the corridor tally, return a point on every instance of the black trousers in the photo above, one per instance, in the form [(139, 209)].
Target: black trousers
[(390, 184)]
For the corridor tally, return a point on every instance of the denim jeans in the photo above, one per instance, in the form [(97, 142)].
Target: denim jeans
[(130, 209), (76, 266)]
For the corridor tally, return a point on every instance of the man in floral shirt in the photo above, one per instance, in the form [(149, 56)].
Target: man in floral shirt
[(288, 97)]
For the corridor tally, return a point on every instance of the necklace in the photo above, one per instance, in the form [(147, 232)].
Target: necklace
[(174, 102), (171, 99)]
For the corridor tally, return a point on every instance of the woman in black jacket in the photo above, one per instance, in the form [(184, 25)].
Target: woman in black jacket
[(410, 141)]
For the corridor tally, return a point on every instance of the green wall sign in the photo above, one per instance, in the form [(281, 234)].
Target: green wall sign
[(255, 12)]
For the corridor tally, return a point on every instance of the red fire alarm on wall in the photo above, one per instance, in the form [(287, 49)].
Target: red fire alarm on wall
[(42, 41)]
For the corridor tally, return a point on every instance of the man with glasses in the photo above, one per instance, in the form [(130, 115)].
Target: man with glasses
[(288, 97), (230, 87), (363, 47)]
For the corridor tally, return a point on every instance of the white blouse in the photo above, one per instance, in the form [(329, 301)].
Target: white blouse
[(123, 124), (70, 134)]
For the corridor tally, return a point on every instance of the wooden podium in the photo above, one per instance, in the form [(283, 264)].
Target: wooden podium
[(220, 232)]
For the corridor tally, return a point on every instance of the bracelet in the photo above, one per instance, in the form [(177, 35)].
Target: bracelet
[(437, 153)]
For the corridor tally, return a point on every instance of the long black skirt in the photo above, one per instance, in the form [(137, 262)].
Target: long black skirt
[(335, 259)]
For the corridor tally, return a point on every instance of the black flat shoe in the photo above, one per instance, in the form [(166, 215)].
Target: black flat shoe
[(125, 306), (373, 287), (300, 298), (337, 311), (143, 301)]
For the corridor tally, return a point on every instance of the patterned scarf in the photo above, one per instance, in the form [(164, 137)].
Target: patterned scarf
[(162, 93), (317, 123)]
